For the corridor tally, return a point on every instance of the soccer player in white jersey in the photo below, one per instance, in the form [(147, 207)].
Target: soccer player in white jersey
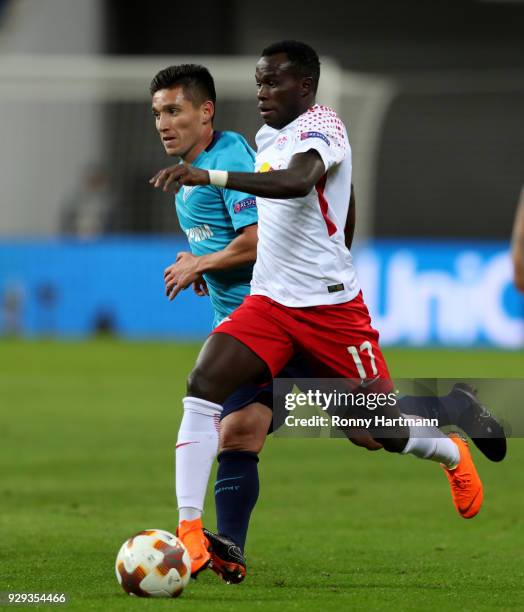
[(304, 294)]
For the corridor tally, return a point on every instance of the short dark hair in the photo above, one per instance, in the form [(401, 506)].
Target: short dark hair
[(196, 80), (303, 57)]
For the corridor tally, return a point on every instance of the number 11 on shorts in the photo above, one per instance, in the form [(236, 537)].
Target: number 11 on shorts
[(354, 352)]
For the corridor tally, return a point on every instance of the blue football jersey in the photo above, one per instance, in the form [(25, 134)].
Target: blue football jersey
[(211, 217)]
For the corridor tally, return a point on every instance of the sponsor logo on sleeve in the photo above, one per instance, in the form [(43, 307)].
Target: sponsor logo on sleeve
[(306, 135), (243, 204)]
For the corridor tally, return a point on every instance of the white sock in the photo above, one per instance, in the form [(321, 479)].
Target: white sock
[(430, 443), (188, 514), (196, 449)]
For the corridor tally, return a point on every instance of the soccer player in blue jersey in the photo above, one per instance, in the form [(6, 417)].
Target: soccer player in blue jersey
[(221, 229), (220, 225)]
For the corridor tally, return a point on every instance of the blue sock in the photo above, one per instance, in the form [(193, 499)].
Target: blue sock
[(236, 493)]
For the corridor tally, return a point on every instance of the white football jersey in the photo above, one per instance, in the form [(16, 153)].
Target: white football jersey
[(302, 259)]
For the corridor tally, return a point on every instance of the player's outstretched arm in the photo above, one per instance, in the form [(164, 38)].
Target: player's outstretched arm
[(517, 249), (297, 180)]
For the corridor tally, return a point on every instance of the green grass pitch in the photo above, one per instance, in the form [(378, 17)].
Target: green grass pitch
[(87, 432)]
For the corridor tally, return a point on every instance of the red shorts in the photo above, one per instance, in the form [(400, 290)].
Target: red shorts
[(337, 338)]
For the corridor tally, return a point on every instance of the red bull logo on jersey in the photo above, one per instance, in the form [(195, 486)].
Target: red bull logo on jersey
[(244, 204), (265, 167), (306, 135)]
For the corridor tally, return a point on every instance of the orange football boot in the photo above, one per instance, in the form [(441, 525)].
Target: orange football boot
[(466, 486), (192, 535)]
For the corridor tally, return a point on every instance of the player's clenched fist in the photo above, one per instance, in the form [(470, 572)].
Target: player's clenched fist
[(181, 174), (180, 275)]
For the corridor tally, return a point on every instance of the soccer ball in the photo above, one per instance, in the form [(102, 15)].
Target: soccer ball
[(153, 563)]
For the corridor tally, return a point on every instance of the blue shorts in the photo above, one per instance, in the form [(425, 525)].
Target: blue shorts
[(297, 367)]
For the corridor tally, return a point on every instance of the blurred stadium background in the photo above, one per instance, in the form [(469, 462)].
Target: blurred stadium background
[(433, 96), (432, 92)]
